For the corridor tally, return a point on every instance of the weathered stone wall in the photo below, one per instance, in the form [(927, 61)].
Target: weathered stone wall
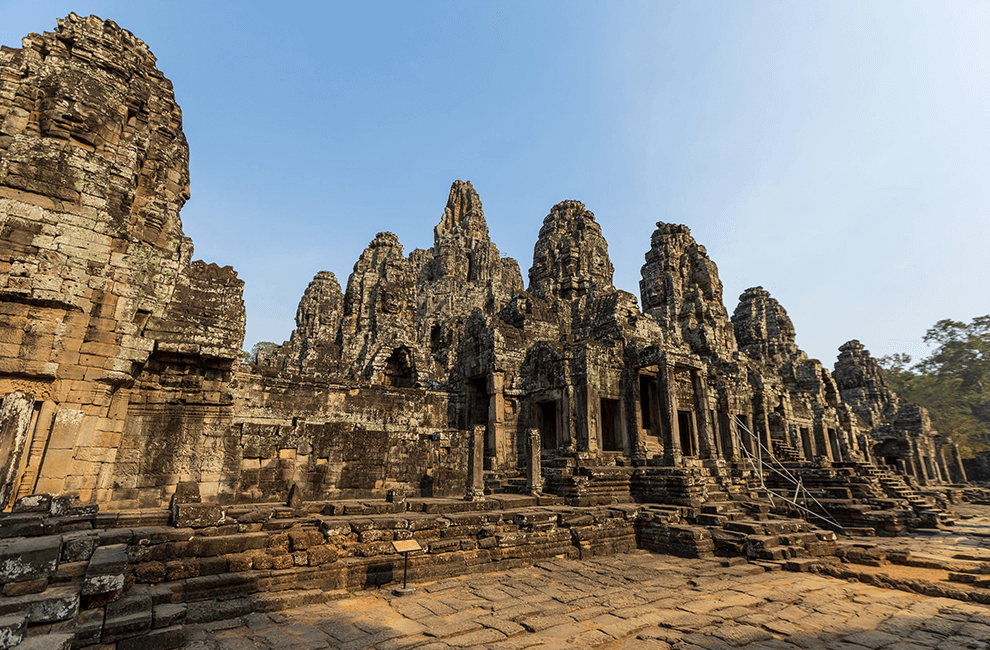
[(329, 440), (95, 274)]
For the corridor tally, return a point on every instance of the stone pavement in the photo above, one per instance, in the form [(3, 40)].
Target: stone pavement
[(634, 600)]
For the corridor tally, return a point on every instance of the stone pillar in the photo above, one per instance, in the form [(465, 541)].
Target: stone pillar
[(920, 470), (763, 429), (943, 467), (496, 419), (638, 441), (668, 397), (15, 420), (591, 412), (820, 436), (706, 440), (534, 472), (730, 436), (476, 464), (956, 470)]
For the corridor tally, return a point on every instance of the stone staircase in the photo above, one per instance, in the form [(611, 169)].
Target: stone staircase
[(895, 487)]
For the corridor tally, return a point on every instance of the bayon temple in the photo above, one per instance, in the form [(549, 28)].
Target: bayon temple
[(440, 374)]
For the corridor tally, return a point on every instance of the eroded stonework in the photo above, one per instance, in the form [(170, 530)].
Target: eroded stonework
[(119, 355)]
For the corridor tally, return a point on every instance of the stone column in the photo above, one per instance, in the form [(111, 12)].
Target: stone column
[(15, 419), (534, 472), (706, 441), (956, 470), (668, 392), (496, 419), (920, 470), (591, 410), (638, 441), (730, 435), (476, 464), (763, 430), (943, 467)]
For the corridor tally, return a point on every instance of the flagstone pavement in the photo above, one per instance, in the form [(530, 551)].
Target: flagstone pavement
[(633, 600)]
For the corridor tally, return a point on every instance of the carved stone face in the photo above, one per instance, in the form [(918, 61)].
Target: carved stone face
[(77, 107)]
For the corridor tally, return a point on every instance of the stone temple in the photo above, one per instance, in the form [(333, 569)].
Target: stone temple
[(433, 383)]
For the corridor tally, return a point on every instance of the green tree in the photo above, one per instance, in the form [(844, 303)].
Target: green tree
[(953, 382), (260, 351)]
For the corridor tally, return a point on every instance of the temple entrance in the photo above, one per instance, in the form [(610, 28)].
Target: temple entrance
[(547, 422), (685, 423), (610, 425)]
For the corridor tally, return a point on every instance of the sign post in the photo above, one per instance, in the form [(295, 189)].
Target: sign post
[(405, 546)]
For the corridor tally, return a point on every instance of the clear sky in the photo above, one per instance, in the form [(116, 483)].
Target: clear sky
[(836, 153)]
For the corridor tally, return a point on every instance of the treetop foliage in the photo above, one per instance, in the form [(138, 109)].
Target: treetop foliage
[(953, 382)]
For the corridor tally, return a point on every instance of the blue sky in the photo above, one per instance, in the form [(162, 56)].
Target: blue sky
[(835, 153)]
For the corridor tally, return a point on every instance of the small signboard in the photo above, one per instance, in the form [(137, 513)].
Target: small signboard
[(406, 546)]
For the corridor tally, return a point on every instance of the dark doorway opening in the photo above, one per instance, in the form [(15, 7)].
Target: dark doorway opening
[(399, 369), (547, 414), (833, 441), (809, 449), (610, 425), (645, 401), (685, 424)]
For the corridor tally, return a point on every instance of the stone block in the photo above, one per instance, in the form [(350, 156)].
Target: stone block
[(34, 503), (135, 600), (12, 628), (50, 606), (196, 515), (105, 573), (79, 547), (122, 627), (55, 641), (30, 559), (168, 614), (25, 587), (158, 639)]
